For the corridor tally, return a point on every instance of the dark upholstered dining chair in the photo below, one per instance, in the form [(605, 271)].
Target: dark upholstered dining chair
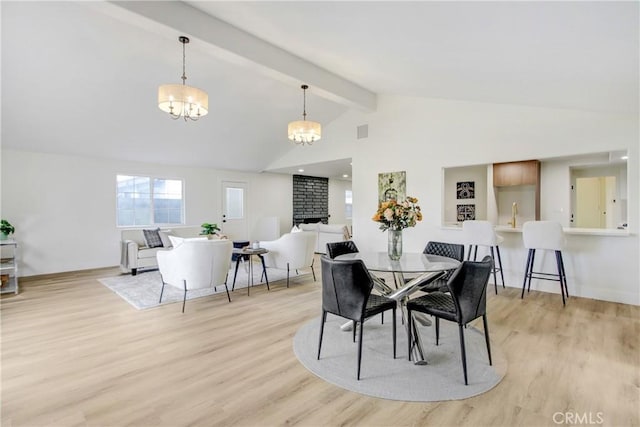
[(335, 249), (346, 292), (451, 250), (465, 302)]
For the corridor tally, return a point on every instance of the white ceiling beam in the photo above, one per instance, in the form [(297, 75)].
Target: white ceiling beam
[(232, 44)]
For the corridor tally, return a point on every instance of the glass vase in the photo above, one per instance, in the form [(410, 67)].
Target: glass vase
[(394, 246)]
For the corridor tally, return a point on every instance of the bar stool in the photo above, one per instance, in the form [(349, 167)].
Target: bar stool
[(544, 235), (482, 233)]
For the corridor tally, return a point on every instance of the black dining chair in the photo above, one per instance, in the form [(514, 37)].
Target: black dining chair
[(450, 250), (346, 292), (439, 282), (335, 249), (466, 301)]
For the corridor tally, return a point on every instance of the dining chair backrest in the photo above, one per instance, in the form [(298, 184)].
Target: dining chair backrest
[(543, 235), (468, 289), (451, 250), (478, 232), (346, 286), (335, 249)]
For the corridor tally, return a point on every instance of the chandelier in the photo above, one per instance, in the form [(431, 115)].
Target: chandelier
[(180, 100), (304, 131)]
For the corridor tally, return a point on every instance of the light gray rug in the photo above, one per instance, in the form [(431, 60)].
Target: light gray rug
[(382, 376), (143, 290)]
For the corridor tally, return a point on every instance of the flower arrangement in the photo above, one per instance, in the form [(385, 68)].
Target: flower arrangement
[(393, 215)]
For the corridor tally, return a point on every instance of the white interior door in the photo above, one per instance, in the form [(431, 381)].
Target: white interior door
[(590, 207), (234, 210)]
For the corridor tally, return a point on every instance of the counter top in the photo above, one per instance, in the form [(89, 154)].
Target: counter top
[(567, 230)]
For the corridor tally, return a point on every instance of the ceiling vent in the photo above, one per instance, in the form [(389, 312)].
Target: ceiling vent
[(363, 131)]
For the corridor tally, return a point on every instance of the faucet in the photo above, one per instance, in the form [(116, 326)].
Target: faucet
[(514, 212)]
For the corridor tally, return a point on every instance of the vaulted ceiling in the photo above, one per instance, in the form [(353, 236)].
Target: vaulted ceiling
[(82, 77)]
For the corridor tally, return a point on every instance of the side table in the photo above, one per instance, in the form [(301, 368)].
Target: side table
[(250, 252)]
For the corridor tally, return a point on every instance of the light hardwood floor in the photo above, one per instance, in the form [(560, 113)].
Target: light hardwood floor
[(74, 353)]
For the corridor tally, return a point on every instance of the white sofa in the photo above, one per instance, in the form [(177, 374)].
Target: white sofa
[(292, 251), (134, 252), (326, 233)]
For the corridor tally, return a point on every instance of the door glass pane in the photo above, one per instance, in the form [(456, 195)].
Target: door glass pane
[(235, 203)]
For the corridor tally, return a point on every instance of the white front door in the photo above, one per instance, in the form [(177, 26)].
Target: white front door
[(234, 210)]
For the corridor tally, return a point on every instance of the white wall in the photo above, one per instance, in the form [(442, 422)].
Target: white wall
[(337, 211), (64, 209), (421, 136)]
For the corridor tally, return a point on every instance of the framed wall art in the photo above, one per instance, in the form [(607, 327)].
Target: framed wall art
[(466, 212), (392, 185), (466, 190)]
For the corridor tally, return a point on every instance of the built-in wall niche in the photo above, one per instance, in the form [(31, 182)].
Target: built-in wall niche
[(571, 189), (465, 194)]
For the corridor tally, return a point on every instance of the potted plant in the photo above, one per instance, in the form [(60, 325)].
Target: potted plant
[(6, 229), (209, 229)]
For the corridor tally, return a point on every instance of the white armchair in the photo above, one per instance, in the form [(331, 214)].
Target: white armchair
[(291, 251), (196, 264)]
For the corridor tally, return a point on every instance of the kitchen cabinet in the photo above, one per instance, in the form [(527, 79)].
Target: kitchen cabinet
[(517, 182), (516, 173)]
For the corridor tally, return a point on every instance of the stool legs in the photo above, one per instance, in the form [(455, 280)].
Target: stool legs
[(561, 275), (496, 266), (500, 264), (527, 271)]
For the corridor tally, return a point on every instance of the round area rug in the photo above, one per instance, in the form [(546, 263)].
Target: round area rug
[(398, 379)]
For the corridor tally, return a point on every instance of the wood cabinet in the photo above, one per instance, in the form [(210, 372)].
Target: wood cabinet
[(516, 173), (523, 173)]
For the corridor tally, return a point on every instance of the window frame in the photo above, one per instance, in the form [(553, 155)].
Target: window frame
[(348, 204), (151, 194)]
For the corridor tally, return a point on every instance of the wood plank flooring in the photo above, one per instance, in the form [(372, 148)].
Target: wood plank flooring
[(75, 354)]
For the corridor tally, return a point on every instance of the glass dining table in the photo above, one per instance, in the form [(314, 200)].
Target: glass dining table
[(425, 267)]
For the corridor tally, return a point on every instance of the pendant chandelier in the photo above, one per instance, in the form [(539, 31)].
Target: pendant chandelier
[(180, 100), (304, 131)]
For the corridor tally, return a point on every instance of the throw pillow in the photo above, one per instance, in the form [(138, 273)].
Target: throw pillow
[(295, 229), (152, 238), (164, 236)]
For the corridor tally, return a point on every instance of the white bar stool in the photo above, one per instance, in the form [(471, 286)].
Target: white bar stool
[(482, 233), (544, 235)]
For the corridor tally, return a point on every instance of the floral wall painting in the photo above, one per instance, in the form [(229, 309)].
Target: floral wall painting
[(466, 212), (466, 190), (392, 186)]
